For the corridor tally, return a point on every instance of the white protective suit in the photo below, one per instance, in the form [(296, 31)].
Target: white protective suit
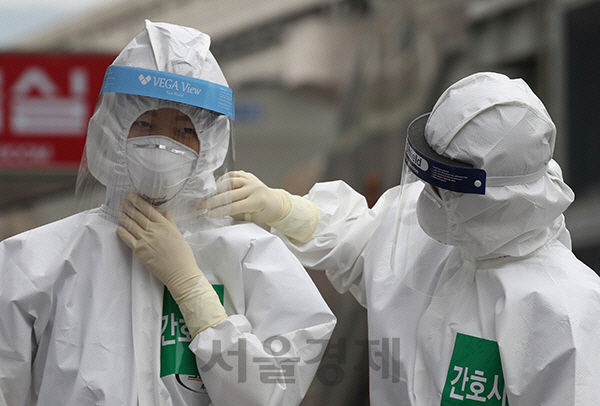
[(82, 321), (502, 313)]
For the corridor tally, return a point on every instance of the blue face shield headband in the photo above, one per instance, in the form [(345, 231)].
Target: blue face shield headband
[(169, 86), (438, 170)]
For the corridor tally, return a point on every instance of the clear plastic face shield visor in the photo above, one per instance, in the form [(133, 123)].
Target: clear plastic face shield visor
[(163, 136), (422, 231)]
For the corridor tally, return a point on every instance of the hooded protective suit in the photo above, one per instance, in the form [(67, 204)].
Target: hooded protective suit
[(473, 298), (83, 322)]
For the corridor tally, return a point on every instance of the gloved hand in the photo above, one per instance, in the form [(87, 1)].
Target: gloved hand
[(160, 246), (243, 196)]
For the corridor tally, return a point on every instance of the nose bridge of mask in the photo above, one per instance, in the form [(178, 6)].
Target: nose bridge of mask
[(158, 143)]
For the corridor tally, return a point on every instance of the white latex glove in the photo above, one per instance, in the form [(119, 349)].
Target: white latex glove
[(160, 246), (243, 196)]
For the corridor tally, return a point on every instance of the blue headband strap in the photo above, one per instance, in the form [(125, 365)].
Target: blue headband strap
[(169, 86)]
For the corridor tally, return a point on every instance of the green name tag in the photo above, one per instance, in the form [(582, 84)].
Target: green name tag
[(475, 374), (175, 355)]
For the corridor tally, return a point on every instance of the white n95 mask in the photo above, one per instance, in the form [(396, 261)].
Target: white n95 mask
[(432, 215), (159, 167)]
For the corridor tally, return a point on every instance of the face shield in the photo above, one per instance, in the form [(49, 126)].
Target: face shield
[(165, 136), (417, 257)]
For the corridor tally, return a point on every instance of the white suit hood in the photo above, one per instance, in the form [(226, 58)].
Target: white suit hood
[(166, 48), (499, 125)]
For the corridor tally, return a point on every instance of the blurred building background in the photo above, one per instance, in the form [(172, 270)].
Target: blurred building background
[(325, 90)]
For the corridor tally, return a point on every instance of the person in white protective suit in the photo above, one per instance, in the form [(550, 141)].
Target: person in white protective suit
[(473, 293), (170, 307)]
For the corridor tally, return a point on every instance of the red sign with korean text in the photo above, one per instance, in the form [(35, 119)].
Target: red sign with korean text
[(46, 101)]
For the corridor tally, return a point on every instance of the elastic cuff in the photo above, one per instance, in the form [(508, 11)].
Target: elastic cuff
[(286, 204), (201, 309), (301, 221)]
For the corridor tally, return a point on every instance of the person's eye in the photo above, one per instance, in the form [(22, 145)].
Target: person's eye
[(187, 132), (142, 125)]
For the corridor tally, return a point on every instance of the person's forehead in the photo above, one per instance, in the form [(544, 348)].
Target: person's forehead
[(168, 112)]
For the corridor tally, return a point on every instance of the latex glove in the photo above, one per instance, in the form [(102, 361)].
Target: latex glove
[(160, 246), (243, 196)]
